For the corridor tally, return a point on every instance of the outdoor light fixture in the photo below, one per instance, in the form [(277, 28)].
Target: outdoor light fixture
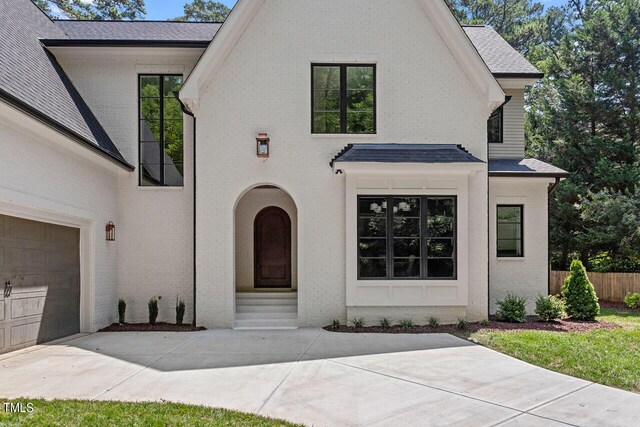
[(262, 145), (111, 232)]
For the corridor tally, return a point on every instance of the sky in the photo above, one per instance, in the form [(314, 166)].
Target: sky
[(166, 9)]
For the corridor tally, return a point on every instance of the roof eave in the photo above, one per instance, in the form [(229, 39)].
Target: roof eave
[(32, 112), (194, 44), (529, 174)]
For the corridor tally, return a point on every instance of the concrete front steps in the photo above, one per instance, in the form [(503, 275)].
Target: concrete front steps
[(262, 310)]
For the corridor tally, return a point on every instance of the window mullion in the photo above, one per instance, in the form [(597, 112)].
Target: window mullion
[(423, 237), (161, 130), (390, 237)]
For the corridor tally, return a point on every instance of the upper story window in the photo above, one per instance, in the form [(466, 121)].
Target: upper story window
[(403, 238), (343, 99), (495, 125), (161, 133)]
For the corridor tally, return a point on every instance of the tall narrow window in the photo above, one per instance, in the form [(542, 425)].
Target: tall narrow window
[(494, 126), (510, 237), (407, 238), (343, 99), (161, 133)]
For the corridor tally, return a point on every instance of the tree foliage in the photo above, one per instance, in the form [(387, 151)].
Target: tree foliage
[(580, 298), (96, 9), (585, 117), (204, 11)]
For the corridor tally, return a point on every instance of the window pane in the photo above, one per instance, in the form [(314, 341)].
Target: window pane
[(172, 84), (174, 153), (441, 217), (360, 123), (406, 227), (372, 227), (373, 268), (509, 214), (359, 78), (173, 173), (173, 131), (326, 100), (406, 207), (406, 268), (440, 248), (510, 248), (494, 126), (404, 248), (509, 231), (326, 123), (359, 101), (150, 108), (150, 152), (172, 110), (326, 77), (373, 248), (150, 130), (150, 86), (149, 175), (440, 268)]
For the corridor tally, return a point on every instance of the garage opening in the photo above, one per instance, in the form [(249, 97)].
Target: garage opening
[(39, 282)]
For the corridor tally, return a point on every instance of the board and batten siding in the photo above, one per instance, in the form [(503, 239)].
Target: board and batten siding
[(513, 145)]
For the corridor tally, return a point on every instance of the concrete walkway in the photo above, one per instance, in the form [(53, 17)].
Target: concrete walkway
[(317, 378)]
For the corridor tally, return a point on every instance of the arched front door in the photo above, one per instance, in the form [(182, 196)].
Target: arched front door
[(272, 248)]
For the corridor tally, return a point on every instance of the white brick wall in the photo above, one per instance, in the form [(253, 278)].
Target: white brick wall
[(155, 227), (264, 85), (37, 174), (528, 276)]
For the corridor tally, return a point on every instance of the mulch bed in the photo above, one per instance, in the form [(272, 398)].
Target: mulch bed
[(619, 306), (145, 327), (531, 324)]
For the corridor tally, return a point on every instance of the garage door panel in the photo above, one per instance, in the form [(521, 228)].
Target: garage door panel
[(43, 263), (22, 229), (1, 339)]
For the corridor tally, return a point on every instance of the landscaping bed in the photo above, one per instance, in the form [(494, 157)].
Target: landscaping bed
[(146, 327), (531, 324)]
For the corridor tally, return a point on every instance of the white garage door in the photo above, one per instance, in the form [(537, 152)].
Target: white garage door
[(39, 282)]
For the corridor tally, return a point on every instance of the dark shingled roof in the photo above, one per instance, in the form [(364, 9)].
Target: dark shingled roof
[(524, 167), (139, 30), (405, 153), (502, 59), (32, 80)]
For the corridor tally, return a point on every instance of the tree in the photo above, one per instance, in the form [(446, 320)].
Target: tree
[(580, 297), (585, 118), (520, 22), (96, 9), (204, 11)]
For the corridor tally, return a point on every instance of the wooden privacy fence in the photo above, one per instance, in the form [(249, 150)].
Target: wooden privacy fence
[(608, 286)]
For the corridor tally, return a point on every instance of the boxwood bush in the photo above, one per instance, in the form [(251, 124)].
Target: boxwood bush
[(512, 309), (549, 308), (632, 300)]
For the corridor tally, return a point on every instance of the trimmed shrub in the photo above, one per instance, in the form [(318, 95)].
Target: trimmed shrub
[(512, 309), (632, 300), (485, 322), (122, 308), (153, 310), (335, 324), (549, 308), (358, 322), (406, 324), (462, 324), (580, 298), (434, 322), (180, 307), (385, 323)]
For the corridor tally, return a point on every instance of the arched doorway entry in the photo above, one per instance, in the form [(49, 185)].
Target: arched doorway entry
[(272, 249)]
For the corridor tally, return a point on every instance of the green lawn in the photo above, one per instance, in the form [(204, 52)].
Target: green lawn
[(610, 357), (83, 413)]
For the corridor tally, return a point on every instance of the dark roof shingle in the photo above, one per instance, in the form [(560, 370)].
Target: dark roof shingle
[(32, 79), (498, 54), (524, 167), (405, 153), (139, 30)]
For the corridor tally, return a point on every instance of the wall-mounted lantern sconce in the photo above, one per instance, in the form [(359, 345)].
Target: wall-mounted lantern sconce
[(263, 145), (111, 232)]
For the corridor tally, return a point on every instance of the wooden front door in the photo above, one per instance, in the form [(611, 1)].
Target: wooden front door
[(272, 246)]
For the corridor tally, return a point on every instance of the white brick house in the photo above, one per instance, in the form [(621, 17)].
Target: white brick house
[(395, 182)]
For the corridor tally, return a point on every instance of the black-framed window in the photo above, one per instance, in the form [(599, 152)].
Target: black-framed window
[(161, 131), (495, 127), (407, 237), (510, 231), (343, 98)]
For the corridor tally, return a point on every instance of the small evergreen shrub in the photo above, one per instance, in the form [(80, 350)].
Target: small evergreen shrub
[(462, 323), (122, 308), (358, 322), (180, 307), (434, 322), (632, 300), (335, 324), (485, 322), (385, 323), (153, 310), (549, 308), (580, 298), (406, 324), (512, 309)]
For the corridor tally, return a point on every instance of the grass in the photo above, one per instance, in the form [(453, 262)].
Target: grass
[(82, 413), (609, 357)]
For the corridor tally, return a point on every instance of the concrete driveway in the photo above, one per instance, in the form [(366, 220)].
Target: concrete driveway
[(316, 378)]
